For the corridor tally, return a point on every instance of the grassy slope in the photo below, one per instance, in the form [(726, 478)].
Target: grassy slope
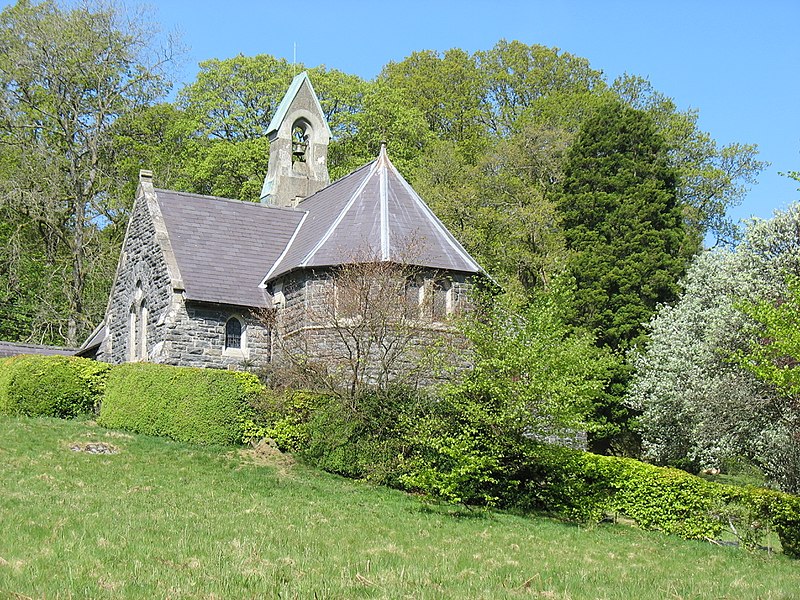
[(167, 520)]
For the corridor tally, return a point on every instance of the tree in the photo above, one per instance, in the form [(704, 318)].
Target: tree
[(447, 90), (230, 106), (66, 76), (502, 208), (706, 383), (712, 178), (544, 84), (534, 376), (623, 224)]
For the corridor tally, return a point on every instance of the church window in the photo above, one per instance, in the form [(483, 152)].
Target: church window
[(233, 333), (413, 291), (132, 334), (299, 141), (438, 291), (143, 331)]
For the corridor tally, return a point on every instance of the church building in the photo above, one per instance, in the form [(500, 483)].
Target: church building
[(197, 274)]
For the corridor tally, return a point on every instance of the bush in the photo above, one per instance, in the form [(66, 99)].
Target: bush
[(583, 487), (363, 437), (772, 508), (285, 418), (203, 406), (51, 386), (666, 499)]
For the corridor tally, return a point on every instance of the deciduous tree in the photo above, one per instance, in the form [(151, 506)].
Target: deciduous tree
[(66, 75)]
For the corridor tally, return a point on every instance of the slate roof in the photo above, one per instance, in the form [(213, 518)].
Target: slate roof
[(223, 247), (373, 212), (94, 340), (13, 349), (227, 251)]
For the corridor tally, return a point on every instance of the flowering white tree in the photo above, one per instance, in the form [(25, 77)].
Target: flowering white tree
[(699, 405)]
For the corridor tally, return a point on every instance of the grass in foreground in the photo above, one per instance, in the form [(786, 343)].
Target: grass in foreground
[(161, 519)]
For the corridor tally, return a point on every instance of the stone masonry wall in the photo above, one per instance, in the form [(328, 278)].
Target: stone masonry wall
[(195, 337), (141, 262), (306, 304)]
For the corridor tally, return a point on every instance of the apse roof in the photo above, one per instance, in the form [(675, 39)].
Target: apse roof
[(373, 213)]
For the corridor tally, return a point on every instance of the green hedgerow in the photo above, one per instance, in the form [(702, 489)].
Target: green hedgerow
[(203, 406), (51, 386)]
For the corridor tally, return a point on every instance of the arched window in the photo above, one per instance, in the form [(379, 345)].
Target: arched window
[(132, 334), (233, 333), (299, 141), (143, 331)]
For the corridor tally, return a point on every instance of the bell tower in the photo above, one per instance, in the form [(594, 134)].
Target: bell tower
[(298, 147)]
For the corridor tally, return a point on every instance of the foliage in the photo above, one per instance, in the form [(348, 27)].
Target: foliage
[(701, 408), (284, 418), (203, 406), (363, 439), (629, 244), (712, 178), (621, 218), (66, 74), (51, 386), (772, 356), (533, 376), (530, 363)]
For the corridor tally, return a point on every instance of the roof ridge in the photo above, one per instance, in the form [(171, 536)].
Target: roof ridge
[(223, 199), (280, 258), (337, 221)]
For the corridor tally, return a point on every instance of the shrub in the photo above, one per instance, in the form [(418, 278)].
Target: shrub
[(571, 484), (203, 406), (770, 507), (52, 386), (362, 437), (666, 499), (284, 417)]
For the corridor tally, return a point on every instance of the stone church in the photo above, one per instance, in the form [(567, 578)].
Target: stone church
[(197, 273)]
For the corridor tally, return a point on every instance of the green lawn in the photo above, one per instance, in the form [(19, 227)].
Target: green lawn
[(161, 519)]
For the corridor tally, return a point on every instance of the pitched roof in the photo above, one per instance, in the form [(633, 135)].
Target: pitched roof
[(371, 212), (223, 247), (286, 102), (13, 349)]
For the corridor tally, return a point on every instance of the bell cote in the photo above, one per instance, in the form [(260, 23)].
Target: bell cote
[(298, 147)]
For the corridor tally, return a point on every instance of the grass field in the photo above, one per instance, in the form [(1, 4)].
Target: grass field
[(160, 519)]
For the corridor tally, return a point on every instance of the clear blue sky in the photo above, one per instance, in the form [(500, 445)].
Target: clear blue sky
[(735, 61)]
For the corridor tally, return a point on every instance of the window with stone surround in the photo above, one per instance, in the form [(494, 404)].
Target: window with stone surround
[(132, 334), (233, 334)]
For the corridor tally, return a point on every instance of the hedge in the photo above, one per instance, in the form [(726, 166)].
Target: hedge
[(584, 487), (51, 386), (202, 406)]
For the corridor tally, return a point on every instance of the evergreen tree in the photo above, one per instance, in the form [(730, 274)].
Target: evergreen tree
[(628, 241)]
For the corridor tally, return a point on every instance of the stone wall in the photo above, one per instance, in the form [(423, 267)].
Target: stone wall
[(141, 262), (309, 326), (195, 337)]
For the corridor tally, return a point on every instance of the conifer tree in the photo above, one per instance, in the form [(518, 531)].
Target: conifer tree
[(624, 228)]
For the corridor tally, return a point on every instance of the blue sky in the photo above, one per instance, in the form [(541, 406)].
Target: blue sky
[(734, 61)]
